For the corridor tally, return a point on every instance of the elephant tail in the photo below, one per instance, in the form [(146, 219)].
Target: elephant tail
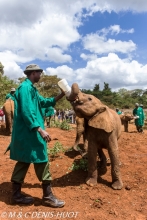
[(8, 148)]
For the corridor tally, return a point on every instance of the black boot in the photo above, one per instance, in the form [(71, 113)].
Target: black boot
[(18, 198), (49, 199)]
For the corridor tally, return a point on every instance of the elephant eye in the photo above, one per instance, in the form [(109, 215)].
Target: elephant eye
[(89, 98)]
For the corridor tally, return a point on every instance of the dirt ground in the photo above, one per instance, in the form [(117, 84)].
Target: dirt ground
[(82, 202)]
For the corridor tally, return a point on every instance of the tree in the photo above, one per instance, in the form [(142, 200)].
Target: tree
[(1, 69), (96, 88), (5, 85)]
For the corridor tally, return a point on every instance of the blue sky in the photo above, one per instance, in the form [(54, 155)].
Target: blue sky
[(88, 42)]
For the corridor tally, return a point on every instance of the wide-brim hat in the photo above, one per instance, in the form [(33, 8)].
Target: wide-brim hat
[(32, 67), (136, 104), (13, 89)]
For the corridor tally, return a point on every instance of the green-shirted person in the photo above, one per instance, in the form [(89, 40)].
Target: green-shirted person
[(49, 112), (11, 94), (29, 139), (139, 114), (118, 111)]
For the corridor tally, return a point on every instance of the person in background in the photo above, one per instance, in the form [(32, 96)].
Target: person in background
[(118, 111), (29, 139), (55, 112), (49, 112), (139, 120), (141, 105), (59, 114), (66, 114), (2, 115), (11, 94)]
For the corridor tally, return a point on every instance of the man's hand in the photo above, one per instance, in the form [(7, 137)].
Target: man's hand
[(44, 134)]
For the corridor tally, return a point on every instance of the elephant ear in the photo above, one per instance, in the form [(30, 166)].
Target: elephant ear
[(102, 120)]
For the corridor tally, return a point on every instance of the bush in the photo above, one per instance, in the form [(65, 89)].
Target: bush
[(65, 125), (58, 148), (80, 165)]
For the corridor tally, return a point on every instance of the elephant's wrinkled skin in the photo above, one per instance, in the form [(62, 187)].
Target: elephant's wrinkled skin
[(103, 131), (125, 118), (80, 130), (8, 109)]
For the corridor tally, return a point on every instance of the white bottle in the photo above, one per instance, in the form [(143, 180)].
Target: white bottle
[(63, 84)]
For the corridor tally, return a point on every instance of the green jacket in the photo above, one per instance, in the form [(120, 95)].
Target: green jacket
[(9, 95), (119, 112), (139, 112), (27, 145), (49, 111)]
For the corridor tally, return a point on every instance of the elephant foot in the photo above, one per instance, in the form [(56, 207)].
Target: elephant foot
[(117, 184), (91, 181)]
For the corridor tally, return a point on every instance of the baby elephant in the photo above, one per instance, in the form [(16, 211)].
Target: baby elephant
[(125, 118), (81, 127), (103, 129)]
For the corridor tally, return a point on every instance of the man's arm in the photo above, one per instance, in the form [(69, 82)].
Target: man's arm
[(59, 96), (47, 102)]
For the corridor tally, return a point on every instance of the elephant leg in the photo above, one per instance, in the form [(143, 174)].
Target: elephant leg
[(84, 153), (91, 180), (126, 126), (78, 136), (115, 169), (102, 168), (103, 160)]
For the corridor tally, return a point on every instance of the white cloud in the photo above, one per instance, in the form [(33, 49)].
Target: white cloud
[(63, 72), (114, 29), (88, 56), (100, 45), (111, 69), (12, 70), (36, 29), (45, 30)]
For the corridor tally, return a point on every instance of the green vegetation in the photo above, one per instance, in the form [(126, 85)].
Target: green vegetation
[(64, 125), (58, 148), (123, 98), (48, 87), (82, 164)]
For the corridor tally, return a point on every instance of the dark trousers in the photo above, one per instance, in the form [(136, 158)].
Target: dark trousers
[(41, 170)]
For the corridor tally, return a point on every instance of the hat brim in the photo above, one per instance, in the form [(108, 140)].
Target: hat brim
[(31, 70)]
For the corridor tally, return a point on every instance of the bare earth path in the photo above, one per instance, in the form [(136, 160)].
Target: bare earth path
[(82, 202)]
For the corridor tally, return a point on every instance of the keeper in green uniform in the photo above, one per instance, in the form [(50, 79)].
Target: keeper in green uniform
[(29, 139), (118, 111), (11, 94), (49, 112), (139, 122)]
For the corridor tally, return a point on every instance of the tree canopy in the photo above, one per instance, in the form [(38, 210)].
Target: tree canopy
[(48, 87)]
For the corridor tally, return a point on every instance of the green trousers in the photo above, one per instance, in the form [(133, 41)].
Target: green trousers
[(41, 170)]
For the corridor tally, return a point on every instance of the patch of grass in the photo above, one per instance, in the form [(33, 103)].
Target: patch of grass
[(58, 148), (65, 125), (82, 164), (55, 124)]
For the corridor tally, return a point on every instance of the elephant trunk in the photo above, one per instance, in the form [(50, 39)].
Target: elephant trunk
[(74, 92)]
